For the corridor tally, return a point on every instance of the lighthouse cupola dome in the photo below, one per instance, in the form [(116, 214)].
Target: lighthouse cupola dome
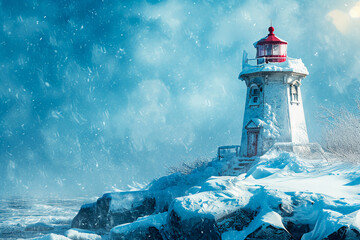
[(270, 48)]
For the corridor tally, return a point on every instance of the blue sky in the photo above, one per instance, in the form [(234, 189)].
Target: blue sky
[(96, 95)]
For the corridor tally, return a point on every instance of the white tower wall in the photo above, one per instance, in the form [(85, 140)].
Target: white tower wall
[(298, 124), (276, 97), (278, 115)]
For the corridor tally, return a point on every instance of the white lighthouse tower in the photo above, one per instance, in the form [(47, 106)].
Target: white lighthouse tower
[(274, 111)]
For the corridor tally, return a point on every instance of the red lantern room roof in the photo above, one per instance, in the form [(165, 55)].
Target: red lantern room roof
[(270, 39)]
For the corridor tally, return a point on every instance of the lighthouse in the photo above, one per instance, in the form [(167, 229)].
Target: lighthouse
[(274, 112)]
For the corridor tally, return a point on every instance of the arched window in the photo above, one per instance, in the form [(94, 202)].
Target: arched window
[(254, 95)]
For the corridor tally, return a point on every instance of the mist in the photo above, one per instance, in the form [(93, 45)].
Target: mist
[(100, 96)]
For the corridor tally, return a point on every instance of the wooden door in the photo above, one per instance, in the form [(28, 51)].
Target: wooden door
[(252, 143)]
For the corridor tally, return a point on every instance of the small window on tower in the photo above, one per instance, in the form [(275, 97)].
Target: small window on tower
[(294, 93), (255, 91), (254, 95)]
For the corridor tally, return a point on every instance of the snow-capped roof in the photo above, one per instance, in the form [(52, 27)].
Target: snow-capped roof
[(290, 65), (270, 39), (254, 123)]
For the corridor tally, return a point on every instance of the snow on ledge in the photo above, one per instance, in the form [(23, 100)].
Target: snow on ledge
[(290, 65), (156, 220)]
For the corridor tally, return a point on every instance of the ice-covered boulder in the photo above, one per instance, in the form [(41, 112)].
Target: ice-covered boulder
[(237, 220), (144, 228), (344, 233), (217, 206), (267, 232), (332, 224), (271, 227), (193, 227), (91, 216), (115, 208)]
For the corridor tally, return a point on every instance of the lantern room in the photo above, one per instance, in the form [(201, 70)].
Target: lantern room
[(270, 48)]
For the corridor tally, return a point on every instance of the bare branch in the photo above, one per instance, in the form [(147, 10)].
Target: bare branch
[(342, 133)]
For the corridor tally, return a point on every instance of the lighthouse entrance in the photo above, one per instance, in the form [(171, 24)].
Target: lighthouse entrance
[(252, 142), (253, 130)]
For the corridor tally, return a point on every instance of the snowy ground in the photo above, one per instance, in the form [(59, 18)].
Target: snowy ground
[(299, 198), (281, 194), (323, 194)]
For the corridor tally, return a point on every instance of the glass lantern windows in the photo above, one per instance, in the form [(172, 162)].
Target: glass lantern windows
[(268, 50), (260, 51), (276, 50), (283, 49), (271, 50)]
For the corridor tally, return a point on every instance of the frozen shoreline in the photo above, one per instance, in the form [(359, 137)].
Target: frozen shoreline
[(19, 214)]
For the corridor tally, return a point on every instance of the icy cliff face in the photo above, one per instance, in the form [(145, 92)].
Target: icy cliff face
[(281, 197)]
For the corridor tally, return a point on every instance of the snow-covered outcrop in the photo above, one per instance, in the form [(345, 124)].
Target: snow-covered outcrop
[(143, 228), (282, 196), (117, 208)]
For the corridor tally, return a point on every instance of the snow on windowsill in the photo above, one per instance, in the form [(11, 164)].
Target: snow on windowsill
[(295, 102)]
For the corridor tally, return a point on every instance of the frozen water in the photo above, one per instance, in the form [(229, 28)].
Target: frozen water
[(29, 218)]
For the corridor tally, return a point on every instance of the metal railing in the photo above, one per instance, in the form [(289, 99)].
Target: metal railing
[(265, 60), (224, 151)]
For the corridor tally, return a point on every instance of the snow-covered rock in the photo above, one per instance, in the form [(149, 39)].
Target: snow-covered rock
[(281, 196), (193, 227), (81, 234), (344, 233), (334, 224), (116, 208), (143, 228)]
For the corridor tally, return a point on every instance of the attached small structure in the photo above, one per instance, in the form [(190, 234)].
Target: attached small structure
[(273, 108)]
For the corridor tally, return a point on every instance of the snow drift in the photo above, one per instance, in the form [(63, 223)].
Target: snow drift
[(282, 196)]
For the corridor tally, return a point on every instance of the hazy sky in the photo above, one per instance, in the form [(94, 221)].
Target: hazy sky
[(98, 94)]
